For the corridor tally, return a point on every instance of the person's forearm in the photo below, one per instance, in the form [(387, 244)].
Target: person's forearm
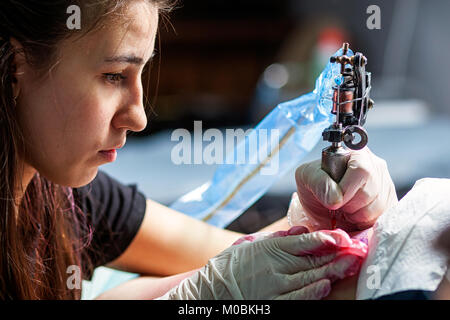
[(344, 289), (281, 224), (170, 242), (144, 288)]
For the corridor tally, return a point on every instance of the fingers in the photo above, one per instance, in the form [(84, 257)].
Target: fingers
[(365, 191), (363, 197), (315, 291), (302, 264), (258, 236), (315, 262), (297, 230), (252, 237), (310, 176), (366, 216), (355, 177), (375, 195), (293, 231), (316, 243), (342, 267)]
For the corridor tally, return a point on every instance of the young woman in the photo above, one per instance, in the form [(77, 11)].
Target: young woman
[(68, 99)]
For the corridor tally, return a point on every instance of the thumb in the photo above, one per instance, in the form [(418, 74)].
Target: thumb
[(322, 186), (355, 176)]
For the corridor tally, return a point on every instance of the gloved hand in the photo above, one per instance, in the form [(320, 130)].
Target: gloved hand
[(258, 236), (284, 267), (365, 191)]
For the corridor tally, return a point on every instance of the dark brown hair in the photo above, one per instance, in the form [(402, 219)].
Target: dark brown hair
[(44, 234)]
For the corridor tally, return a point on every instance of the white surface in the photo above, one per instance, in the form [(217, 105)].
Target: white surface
[(401, 248)]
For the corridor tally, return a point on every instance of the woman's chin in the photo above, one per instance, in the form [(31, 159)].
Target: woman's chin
[(74, 180), (84, 178)]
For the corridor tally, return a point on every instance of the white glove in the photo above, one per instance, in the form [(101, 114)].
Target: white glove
[(286, 267), (365, 191), (262, 235)]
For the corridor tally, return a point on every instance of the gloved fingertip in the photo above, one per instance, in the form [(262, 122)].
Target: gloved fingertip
[(323, 288), (347, 266), (354, 268), (354, 265), (358, 248), (340, 237), (333, 200), (331, 241), (246, 238), (334, 205), (297, 230), (278, 234)]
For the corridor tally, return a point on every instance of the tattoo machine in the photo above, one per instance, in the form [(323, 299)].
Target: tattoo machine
[(351, 103)]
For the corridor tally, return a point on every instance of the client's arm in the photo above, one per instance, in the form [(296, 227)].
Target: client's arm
[(169, 242), (345, 289), (144, 288)]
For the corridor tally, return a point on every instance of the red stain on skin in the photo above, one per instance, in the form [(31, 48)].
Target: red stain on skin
[(333, 222)]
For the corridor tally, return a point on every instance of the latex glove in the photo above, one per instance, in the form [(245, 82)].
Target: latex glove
[(286, 267), (355, 243), (365, 191), (262, 235)]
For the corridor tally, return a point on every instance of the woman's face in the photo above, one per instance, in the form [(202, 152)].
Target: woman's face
[(91, 98)]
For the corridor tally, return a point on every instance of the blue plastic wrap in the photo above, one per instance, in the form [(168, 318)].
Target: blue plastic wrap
[(292, 129)]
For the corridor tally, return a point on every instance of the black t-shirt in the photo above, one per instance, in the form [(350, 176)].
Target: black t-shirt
[(115, 212)]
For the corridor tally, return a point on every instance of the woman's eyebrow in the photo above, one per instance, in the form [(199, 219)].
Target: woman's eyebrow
[(132, 59)]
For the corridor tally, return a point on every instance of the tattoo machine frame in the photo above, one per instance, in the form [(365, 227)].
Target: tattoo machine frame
[(351, 102)]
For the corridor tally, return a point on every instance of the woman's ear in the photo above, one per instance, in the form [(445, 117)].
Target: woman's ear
[(18, 66)]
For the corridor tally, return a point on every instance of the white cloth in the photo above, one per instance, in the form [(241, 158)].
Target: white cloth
[(401, 253)]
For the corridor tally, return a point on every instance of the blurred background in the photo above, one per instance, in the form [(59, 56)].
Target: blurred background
[(228, 63)]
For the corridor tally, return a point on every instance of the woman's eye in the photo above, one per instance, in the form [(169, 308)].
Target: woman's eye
[(114, 77)]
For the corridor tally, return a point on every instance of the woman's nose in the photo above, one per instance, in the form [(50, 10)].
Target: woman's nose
[(131, 116)]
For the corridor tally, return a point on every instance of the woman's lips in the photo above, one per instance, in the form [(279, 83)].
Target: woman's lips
[(109, 155)]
